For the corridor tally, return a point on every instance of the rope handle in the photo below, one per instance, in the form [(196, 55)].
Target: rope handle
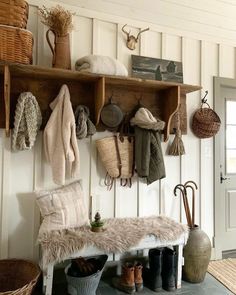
[(108, 181)]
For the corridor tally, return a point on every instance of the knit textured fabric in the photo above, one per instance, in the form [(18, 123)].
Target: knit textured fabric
[(60, 144), (27, 122), (84, 126), (144, 119)]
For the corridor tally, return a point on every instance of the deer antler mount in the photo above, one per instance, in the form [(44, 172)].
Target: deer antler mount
[(131, 39)]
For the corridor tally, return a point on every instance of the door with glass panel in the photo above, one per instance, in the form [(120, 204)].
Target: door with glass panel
[(225, 166)]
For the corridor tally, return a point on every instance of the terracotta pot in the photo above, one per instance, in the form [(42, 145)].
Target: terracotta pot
[(197, 254), (60, 50)]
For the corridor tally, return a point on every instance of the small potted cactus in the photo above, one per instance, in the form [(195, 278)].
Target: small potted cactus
[(97, 224)]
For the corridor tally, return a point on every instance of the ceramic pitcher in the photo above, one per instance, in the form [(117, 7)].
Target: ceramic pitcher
[(60, 50)]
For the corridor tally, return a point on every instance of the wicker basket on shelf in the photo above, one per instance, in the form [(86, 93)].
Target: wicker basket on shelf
[(16, 45), (206, 123), (18, 277), (14, 13)]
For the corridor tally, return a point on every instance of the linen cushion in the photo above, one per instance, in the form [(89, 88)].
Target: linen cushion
[(62, 208)]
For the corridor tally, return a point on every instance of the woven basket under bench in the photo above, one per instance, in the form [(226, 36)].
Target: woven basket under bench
[(14, 13), (16, 45), (18, 277)]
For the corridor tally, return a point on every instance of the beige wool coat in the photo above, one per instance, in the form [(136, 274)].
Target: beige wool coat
[(60, 144)]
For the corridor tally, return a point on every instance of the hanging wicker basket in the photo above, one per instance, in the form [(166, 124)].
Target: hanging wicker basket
[(14, 13), (18, 277), (16, 45), (206, 123)]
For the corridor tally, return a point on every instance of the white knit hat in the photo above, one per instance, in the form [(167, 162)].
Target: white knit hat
[(27, 122), (144, 119)]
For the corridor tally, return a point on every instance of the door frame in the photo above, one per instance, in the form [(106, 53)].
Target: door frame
[(218, 84)]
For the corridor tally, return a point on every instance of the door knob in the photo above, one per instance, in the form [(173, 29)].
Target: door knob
[(223, 178)]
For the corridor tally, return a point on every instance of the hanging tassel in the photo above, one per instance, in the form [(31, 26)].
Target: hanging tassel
[(177, 146)]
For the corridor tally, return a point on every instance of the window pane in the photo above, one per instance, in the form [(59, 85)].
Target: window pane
[(230, 161), (231, 137), (230, 112)]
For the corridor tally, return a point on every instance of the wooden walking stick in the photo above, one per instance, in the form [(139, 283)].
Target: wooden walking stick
[(185, 201), (187, 185)]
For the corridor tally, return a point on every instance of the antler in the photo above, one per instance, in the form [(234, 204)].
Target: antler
[(123, 30), (141, 33)]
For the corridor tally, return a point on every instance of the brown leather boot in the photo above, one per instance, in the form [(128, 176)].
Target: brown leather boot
[(126, 281), (138, 278)]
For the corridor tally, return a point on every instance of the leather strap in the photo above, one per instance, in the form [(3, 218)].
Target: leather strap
[(118, 155)]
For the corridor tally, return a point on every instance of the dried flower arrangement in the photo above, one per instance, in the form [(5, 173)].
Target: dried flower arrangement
[(58, 19)]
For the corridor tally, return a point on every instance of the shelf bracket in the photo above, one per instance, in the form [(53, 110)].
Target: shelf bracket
[(100, 98), (170, 107), (7, 88)]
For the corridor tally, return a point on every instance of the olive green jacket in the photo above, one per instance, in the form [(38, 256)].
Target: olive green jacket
[(148, 155)]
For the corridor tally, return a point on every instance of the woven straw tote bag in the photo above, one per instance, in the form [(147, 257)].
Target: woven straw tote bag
[(117, 155)]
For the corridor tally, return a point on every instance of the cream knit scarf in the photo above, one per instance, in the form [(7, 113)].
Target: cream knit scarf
[(144, 119), (27, 122)]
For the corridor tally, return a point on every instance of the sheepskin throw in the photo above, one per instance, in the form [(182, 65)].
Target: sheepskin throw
[(99, 64), (119, 236), (27, 122), (60, 144)]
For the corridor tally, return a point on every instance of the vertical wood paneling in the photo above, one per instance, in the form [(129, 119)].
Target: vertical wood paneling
[(191, 69), (226, 61), (37, 185), (5, 195), (21, 205), (107, 39), (33, 25), (153, 38), (209, 65), (95, 41), (127, 199), (81, 38), (171, 49), (85, 163)]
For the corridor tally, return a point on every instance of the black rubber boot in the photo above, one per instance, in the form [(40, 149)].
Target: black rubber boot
[(169, 269), (153, 274)]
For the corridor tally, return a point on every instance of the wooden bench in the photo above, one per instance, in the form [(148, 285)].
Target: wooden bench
[(146, 243)]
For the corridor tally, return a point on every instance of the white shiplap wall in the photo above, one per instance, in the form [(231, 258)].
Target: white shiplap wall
[(201, 35)]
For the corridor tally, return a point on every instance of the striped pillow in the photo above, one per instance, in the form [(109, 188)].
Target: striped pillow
[(62, 208)]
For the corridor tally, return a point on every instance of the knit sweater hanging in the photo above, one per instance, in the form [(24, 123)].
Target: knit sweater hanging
[(60, 142)]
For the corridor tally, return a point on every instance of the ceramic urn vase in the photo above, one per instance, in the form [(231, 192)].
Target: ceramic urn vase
[(197, 254)]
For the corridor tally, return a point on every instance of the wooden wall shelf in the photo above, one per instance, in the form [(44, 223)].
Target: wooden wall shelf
[(162, 98)]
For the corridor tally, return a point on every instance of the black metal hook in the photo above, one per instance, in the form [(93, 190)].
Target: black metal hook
[(140, 100), (204, 100), (110, 97)]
